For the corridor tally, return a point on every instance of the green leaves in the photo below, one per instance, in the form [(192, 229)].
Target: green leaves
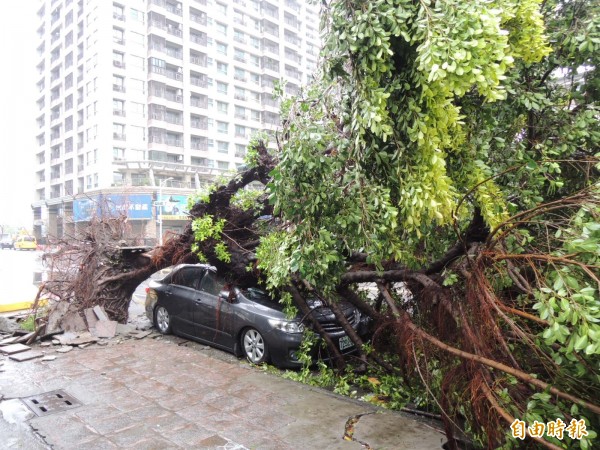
[(204, 228)]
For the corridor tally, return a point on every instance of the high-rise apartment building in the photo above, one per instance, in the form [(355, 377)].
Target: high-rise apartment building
[(144, 101)]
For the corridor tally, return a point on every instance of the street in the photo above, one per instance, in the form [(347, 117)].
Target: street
[(17, 270)]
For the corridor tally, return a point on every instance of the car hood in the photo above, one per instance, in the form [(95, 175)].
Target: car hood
[(324, 313), (319, 311)]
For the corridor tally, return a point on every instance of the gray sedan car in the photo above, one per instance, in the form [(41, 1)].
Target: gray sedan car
[(193, 302)]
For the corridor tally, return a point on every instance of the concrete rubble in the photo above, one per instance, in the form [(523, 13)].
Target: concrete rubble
[(65, 331)]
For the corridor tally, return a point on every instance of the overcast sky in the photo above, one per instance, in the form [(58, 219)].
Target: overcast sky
[(17, 112)]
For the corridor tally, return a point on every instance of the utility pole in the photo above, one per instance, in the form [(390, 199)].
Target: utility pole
[(160, 209)]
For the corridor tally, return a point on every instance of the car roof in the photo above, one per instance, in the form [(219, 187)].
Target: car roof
[(201, 266)]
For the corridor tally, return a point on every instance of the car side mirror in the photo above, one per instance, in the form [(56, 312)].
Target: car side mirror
[(227, 296)]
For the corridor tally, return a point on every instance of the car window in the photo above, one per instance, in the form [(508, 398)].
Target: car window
[(211, 284), (188, 277)]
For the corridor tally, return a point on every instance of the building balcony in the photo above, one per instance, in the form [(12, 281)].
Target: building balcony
[(174, 75), (173, 53), (199, 124), (198, 19), (118, 88), (118, 136), (201, 40), (119, 17), (173, 10), (119, 64), (173, 120), (198, 61), (173, 97), (174, 32), (203, 146), (199, 82), (174, 142), (199, 103), (119, 112)]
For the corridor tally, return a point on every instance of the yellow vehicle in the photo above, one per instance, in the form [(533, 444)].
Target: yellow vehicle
[(25, 243)]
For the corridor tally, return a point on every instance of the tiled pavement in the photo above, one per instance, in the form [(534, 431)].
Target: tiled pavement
[(156, 394)]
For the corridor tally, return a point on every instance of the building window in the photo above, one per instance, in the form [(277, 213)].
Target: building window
[(221, 8), (222, 147), (240, 150), (221, 28), (221, 87), (118, 153), (136, 15), (222, 68), (118, 36), (136, 39), (240, 131), (118, 59), (222, 48), (118, 131), (224, 165), (222, 127), (222, 107)]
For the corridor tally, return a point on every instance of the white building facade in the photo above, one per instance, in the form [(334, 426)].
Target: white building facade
[(145, 99)]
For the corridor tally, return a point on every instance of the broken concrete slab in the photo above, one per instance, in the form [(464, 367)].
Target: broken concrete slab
[(58, 310), (125, 329), (10, 340), (14, 348), (65, 349), (7, 325), (48, 358), (26, 356), (63, 339), (105, 329), (83, 338), (72, 321), (100, 313), (24, 338), (141, 335), (90, 317)]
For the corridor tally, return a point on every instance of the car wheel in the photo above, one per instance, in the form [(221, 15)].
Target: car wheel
[(162, 320), (254, 346)]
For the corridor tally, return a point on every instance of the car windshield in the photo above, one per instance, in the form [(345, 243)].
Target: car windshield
[(262, 298)]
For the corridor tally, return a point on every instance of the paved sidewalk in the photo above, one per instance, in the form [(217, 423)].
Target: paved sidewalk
[(156, 394)]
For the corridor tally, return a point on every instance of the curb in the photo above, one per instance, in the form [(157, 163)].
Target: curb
[(20, 306)]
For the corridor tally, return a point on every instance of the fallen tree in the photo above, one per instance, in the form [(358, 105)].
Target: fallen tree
[(456, 163)]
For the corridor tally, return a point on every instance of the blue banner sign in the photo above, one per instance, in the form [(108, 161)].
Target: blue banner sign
[(134, 206)]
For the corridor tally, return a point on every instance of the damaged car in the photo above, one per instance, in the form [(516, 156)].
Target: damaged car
[(192, 301)]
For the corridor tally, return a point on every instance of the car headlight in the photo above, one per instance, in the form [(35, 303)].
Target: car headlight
[(287, 326)]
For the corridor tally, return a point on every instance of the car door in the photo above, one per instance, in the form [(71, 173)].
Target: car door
[(180, 297), (213, 315)]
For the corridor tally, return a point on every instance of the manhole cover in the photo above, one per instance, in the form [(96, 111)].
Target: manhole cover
[(51, 402)]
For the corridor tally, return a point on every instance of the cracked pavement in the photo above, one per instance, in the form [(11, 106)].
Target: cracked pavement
[(156, 394)]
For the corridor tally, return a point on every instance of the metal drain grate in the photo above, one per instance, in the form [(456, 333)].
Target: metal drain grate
[(51, 402)]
